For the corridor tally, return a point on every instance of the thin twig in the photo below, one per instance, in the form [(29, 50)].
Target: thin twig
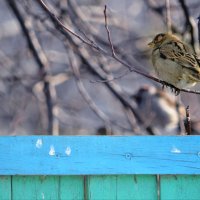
[(168, 17), (111, 79), (160, 10), (87, 97), (108, 33), (188, 23), (85, 59), (64, 29)]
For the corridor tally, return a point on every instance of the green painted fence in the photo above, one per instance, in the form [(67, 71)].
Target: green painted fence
[(121, 187)]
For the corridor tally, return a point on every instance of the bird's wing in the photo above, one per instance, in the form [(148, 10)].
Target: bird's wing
[(198, 59), (180, 53)]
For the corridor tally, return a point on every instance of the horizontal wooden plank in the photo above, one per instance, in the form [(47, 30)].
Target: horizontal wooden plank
[(70, 155)]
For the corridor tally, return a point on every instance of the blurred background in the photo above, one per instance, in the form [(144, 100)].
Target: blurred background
[(54, 84)]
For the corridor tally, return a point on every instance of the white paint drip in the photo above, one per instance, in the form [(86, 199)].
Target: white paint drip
[(52, 151), (175, 150), (68, 151), (38, 143), (43, 196)]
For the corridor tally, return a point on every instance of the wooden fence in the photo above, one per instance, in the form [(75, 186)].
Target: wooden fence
[(100, 167)]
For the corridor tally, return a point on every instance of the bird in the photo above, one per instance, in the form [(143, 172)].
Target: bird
[(174, 62)]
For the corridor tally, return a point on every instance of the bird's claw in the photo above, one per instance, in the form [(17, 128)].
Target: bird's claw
[(174, 89)]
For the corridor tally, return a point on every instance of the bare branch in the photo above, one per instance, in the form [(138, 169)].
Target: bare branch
[(188, 23), (111, 79), (160, 11), (40, 58), (108, 32), (168, 17), (64, 29), (87, 97), (113, 87), (187, 122)]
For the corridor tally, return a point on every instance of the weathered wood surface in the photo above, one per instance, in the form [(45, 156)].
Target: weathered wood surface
[(121, 187), (109, 187), (77, 155), (182, 187)]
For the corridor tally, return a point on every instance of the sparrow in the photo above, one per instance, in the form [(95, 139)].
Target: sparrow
[(175, 62)]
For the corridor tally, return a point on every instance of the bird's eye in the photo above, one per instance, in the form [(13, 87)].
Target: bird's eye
[(159, 37)]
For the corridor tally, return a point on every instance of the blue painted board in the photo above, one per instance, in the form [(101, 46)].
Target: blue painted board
[(70, 155)]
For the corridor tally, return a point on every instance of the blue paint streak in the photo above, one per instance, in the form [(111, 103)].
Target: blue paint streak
[(99, 155)]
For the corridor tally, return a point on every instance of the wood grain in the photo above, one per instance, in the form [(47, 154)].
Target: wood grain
[(35, 187), (180, 187), (90, 155), (71, 187), (137, 187), (108, 187), (5, 187)]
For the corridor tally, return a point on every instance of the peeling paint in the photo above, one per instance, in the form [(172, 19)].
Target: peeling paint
[(52, 151), (68, 151), (38, 143), (175, 150)]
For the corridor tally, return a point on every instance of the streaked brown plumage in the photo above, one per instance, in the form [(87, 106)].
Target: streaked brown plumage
[(174, 61)]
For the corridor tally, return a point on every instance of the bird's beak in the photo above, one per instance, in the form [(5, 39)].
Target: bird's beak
[(151, 44)]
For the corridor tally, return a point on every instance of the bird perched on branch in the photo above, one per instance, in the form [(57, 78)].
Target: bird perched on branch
[(174, 61)]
